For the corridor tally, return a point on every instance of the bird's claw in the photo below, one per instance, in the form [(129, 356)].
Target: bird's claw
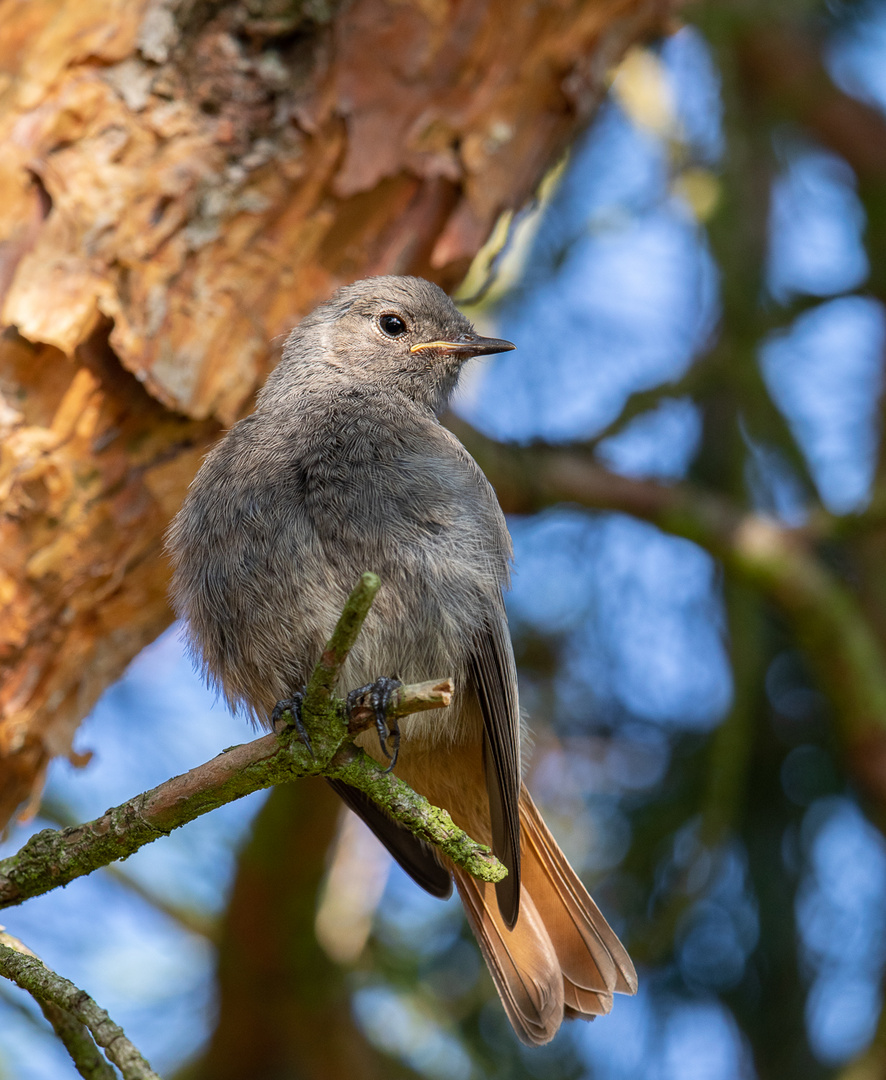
[(380, 693), (293, 706)]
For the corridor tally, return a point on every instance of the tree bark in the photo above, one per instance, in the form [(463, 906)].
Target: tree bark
[(180, 181)]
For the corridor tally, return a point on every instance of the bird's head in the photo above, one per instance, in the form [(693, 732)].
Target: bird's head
[(399, 332)]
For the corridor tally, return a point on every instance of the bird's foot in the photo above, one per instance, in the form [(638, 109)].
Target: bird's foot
[(380, 693), (292, 705)]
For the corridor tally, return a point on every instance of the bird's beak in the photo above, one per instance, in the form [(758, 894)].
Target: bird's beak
[(468, 345)]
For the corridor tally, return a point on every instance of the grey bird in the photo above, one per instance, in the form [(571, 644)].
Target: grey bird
[(344, 467)]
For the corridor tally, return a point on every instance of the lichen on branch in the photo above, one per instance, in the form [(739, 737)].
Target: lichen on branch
[(76, 1018)]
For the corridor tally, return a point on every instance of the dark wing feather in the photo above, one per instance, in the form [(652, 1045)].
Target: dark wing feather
[(494, 676), (415, 856)]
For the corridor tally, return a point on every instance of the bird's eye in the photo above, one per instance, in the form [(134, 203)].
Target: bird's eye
[(392, 325)]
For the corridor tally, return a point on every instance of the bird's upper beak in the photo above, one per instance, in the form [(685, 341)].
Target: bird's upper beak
[(467, 345)]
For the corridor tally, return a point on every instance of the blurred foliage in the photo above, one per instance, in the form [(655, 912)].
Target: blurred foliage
[(716, 809), (698, 299), (751, 889), (699, 750)]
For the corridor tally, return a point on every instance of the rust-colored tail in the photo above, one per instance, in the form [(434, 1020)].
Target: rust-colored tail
[(561, 958)]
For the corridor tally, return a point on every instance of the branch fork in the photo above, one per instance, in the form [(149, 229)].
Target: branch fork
[(53, 858)]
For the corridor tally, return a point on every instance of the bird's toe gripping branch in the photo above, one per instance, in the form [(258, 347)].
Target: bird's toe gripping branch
[(380, 693), (293, 706)]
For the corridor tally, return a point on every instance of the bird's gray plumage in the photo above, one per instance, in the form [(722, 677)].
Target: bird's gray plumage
[(343, 468)]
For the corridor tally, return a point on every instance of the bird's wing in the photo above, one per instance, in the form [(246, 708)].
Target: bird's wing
[(415, 856), (494, 677)]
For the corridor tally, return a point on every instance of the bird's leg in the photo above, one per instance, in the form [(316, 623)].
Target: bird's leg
[(380, 693), (293, 705)]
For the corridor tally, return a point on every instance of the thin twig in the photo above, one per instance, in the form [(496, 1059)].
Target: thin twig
[(419, 697), (326, 673), (74, 1036), (412, 810), (76, 1018)]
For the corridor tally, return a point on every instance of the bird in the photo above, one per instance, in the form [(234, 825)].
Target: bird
[(344, 467)]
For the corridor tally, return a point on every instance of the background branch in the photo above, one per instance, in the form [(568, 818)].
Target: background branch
[(825, 616), (75, 1017)]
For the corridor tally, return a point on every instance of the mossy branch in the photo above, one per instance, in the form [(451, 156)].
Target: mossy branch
[(75, 1017), (54, 857), (318, 693)]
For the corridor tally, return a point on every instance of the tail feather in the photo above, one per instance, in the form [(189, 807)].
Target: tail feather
[(584, 1004), (522, 961), (561, 959), (590, 954)]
